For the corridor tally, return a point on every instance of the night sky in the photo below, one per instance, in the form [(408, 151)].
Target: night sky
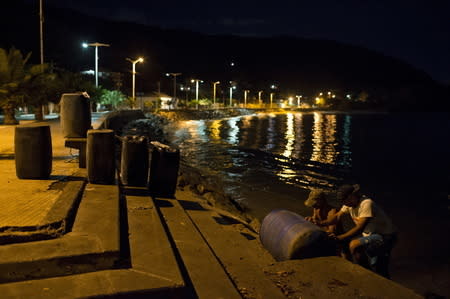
[(417, 32)]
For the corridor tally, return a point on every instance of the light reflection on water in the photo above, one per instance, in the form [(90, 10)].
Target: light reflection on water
[(305, 150)]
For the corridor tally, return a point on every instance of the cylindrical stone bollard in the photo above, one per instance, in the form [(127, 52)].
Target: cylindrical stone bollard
[(75, 115), (100, 158), (33, 151), (134, 161)]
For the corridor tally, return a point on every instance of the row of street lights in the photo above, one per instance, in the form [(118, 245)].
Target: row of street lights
[(133, 62), (174, 75)]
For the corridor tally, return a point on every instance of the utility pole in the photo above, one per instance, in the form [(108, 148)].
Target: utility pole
[(174, 75), (41, 29)]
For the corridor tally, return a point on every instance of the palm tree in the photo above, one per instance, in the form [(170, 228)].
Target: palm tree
[(14, 73)]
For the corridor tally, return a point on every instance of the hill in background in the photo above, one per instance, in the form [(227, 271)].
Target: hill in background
[(296, 66)]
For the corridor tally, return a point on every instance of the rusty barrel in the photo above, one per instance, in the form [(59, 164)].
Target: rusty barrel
[(100, 156), (33, 151), (75, 115)]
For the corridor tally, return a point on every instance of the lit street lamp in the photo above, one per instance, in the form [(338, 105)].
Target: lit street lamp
[(245, 97), (214, 92), (96, 45), (273, 87), (174, 84), (133, 72), (231, 95), (298, 100), (196, 89)]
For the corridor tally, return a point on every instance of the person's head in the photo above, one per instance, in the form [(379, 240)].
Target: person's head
[(349, 195), (316, 199)]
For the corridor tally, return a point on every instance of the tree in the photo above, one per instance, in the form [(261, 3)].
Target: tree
[(13, 74), (112, 98), (39, 90)]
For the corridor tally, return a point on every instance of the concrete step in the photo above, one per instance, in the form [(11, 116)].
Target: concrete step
[(151, 271), (240, 253), (93, 244), (203, 272)]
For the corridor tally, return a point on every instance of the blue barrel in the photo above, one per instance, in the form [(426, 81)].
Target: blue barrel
[(75, 115), (287, 235)]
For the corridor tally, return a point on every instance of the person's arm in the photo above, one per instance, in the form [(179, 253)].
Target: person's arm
[(333, 219), (331, 228), (356, 230)]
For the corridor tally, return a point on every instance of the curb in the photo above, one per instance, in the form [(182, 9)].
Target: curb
[(58, 221)]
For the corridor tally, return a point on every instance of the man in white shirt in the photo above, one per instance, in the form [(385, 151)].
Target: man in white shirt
[(371, 240)]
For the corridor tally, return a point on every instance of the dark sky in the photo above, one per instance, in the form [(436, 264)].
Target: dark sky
[(416, 31)]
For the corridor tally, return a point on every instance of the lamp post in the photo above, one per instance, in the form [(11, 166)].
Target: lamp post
[(271, 99), (133, 72), (298, 101), (41, 30), (214, 92), (196, 89), (259, 96), (96, 45), (245, 97), (231, 95), (174, 75)]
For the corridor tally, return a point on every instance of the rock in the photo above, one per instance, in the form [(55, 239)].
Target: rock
[(118, 119), (209, 196), (201, 189), (182, 182), (255, 224)]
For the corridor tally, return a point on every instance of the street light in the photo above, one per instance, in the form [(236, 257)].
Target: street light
[(214, 92), (245, 97), (298, 100), (41, 30), (196, 89), (133, 72), (231, 95), (96, 45), (259, 96), (271, 99), (174, 83)]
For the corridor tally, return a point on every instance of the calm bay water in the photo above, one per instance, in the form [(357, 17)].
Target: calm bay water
[(385, 153)]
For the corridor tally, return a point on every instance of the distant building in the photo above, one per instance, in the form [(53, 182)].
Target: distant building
[(155, 100)]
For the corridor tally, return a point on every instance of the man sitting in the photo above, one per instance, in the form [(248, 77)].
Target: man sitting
[(373, 236), (322, 210)]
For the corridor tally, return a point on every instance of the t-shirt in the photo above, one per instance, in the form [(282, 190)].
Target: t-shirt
[(379, 222)]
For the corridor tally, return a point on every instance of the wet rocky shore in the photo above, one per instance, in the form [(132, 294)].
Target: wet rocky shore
[(209, 187)]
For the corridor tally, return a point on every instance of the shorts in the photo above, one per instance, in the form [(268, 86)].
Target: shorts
[(377, 244)]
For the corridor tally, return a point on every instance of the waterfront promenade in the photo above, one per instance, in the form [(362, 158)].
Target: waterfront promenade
[(123, 243)]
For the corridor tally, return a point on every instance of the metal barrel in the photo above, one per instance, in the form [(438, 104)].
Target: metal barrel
[(134, 161), (287, 235), (33, 151), (75, 115), (100, 156)]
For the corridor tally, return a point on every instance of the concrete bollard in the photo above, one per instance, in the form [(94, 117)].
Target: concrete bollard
[(33, 151), (75, 115), (134, 161), (100, 157)]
